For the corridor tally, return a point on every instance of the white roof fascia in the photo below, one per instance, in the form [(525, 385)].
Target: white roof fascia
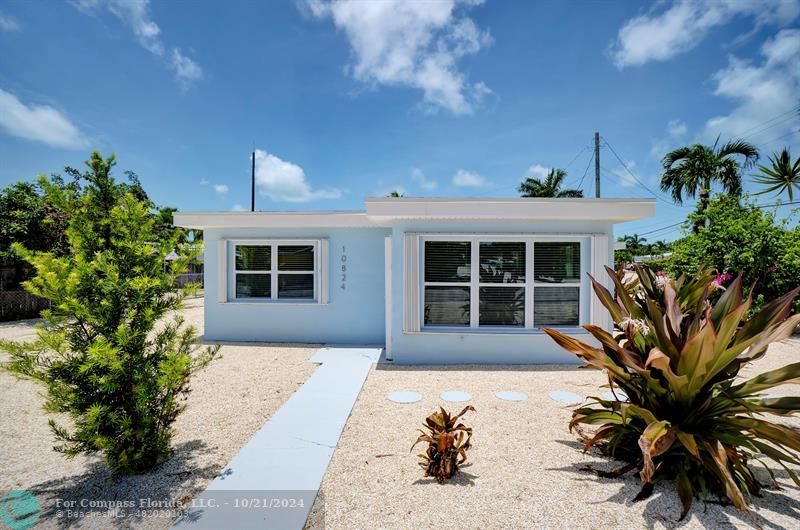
[(205, 220), (616, 210)]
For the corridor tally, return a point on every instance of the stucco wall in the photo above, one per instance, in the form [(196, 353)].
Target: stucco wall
[(353, 315), (527, 347)]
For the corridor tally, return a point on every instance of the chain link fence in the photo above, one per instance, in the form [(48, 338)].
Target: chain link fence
[(15, 305)]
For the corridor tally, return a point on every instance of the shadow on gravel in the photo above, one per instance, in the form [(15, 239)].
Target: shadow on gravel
[(123, 502), (662, 508)]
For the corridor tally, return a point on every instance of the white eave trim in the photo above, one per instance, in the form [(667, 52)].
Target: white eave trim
[(205, 220), (382, 211), (616, 210)]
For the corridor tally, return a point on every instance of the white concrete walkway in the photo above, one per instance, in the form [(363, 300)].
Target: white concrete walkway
[(273, 480)]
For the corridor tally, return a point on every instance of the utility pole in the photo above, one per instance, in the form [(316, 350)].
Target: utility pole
[(597, 165), (253, 184)]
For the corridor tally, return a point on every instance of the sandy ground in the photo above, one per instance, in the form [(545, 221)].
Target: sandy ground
[(524, 470), (230, 401)]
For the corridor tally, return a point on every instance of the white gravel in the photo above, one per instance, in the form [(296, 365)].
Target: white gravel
[(230, 401), (524, 470)]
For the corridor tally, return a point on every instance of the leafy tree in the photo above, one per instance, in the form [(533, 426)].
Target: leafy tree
[(29, 217), (742, 239), (394, 194), (549, 187), (783, 175), (110, 353), (691, 171)]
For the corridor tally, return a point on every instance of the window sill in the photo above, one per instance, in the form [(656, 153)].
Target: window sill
[(274, 302), (571, 330)]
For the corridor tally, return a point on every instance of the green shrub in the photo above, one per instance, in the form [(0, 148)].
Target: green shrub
[(746, 241), (686, 417), (108, 353)]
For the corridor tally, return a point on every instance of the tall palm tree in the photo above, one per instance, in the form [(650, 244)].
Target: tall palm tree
[(550, 187), (635, 241), (691, 171), (782, 176)]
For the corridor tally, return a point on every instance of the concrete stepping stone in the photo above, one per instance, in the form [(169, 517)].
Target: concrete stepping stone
[(568, 398), (404, 396), (511, 395), (455, 396)]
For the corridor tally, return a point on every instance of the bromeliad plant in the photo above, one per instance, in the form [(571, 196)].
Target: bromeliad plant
[(678, 349), (448, 442)]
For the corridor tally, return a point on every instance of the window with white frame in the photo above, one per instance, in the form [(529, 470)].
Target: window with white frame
[(500, 283), (275, 270)]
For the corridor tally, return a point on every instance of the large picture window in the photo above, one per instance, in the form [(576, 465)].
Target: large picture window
[(500, 283), (275, 270)]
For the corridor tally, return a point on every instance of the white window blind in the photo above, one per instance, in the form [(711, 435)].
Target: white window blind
[(507, 283), (557, 276)]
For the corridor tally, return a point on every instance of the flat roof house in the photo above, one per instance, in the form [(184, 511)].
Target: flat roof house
[(434, 280)]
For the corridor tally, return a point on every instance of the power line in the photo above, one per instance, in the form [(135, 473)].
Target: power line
[(776, 204), (586, 170), (794, 110), (624, 165), (585, 147)]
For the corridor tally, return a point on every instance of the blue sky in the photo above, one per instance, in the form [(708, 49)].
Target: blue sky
[(349, 99)]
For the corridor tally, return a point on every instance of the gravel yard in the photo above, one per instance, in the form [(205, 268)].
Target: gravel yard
[(230, 401), (524, 469)]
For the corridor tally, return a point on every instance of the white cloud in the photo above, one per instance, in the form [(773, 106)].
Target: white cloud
[(677, 128), (623, 176), (468, 179), (761, 91), (222, 189), (660, 34), (418, 176), (136, 14), (40, 123), (412, 44), (238, 208), (284, 181), (8, 23), (185, 68), (677, 132), (537, 171)]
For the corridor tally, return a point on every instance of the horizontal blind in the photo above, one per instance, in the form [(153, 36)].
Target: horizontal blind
[(253, 257), (295, 257), (556, 306), (557, 262), (502, 262), (447, 261)]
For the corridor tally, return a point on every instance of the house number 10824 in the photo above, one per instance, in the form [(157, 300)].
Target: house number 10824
[(343, 285)]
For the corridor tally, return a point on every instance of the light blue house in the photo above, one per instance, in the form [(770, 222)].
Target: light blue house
[(434, 280)]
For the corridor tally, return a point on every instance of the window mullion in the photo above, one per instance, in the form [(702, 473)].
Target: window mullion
[(529, 272), (474, 282), (273, 277)]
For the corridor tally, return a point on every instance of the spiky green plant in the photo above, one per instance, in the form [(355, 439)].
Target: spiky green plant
[(686, 416), (448, 442)]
